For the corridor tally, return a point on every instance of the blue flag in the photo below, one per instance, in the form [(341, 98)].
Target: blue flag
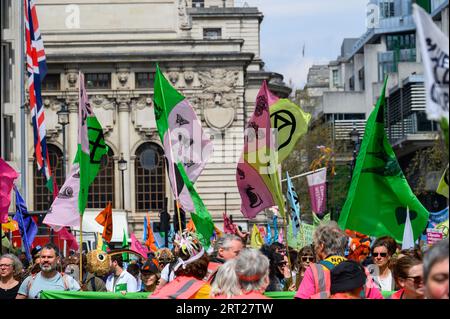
[(27, 227), (144, 239), (275, 228), (268, 237), (294, 205)]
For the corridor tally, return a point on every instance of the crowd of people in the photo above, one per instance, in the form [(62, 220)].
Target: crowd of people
[(231, 270)]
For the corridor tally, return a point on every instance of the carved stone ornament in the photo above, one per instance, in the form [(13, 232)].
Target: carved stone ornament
[(72, 78), (189, 76), (102, 101), (185, 21), (141, 103), (173, 77), (219, 100), (122, 76)]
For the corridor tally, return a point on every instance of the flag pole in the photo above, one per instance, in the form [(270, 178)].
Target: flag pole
[(81, 250), (172, 169)]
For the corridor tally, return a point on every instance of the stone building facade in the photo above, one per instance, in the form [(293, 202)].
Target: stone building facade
[(209, 50)]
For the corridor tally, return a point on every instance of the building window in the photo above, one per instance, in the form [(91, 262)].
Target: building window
[(42, 196), (6, 72), (51, 82), (144, 80), (362, 83), (212, 33), (8, 137), (150, 178), (351, 83), (335, 78), (98, 80), (400, 41), (198, 3), (6, 9), (387, 9), (101, 190)]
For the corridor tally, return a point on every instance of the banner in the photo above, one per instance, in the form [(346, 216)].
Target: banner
[(317, 190), (434, 48), (7, 177)]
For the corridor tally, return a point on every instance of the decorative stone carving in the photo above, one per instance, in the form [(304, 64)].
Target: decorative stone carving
[(122, 76), (173, 77), (219, 100), (72, 78), (123, 101), (103, 101), (141, 102), (189, 76), (185, 21)]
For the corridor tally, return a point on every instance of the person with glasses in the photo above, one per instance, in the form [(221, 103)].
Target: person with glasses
[(408, 274), (304, 259), (382, 250), (10, 269)]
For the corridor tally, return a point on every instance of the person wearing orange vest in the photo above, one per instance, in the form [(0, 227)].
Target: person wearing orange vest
[(226, 248), (190, 269), (329, 245), (245, 277)]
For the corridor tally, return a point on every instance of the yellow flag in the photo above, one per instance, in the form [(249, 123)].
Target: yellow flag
[(291, 122), (443, 184), (11, 225), (256, 240), (99, 242)]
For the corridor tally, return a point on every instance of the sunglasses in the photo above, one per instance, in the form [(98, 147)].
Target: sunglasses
[(417, 279), (307, 258), (282, 264), (379, 254)]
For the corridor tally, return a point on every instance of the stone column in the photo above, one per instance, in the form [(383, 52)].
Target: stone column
[(124, 145)]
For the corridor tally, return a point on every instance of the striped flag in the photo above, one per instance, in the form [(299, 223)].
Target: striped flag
[(294, 205), (37, 69)]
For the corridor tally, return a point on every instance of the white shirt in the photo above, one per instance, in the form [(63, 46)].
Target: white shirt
[(125, 281), (165, 274), (386, 283)]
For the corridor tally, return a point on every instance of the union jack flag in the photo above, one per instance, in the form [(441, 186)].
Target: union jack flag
[(37, 69)]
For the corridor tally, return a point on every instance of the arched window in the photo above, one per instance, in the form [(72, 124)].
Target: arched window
[(150, 176), (42, 196), (101, 190)]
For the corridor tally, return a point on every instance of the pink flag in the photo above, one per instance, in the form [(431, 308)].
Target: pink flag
[(7, 177), (64, 210), (228, 226), (137, 246), (280, 236), (256, 173), (63, 234), (317, 190)]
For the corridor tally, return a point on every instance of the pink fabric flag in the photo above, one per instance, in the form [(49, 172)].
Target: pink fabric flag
[(63, 234), (228, 226), (64, 210), (317, 191), (257, 171), (7, 177), (281, 236), (137, 246)]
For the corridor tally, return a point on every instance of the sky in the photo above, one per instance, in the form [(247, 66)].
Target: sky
[(318, 25)]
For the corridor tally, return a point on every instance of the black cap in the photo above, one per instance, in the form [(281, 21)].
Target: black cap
[(347, 276), (35, 251), (149, 267)]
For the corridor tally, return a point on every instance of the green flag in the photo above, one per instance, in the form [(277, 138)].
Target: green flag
[(443, 184), (204, 225), (91, 146), (125, 246), (379, 193)]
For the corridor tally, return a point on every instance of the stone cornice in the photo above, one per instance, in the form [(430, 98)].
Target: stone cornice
[(102, 57)]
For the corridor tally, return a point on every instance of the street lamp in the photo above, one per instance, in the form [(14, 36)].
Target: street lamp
[(122, 167), (354, 137)]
